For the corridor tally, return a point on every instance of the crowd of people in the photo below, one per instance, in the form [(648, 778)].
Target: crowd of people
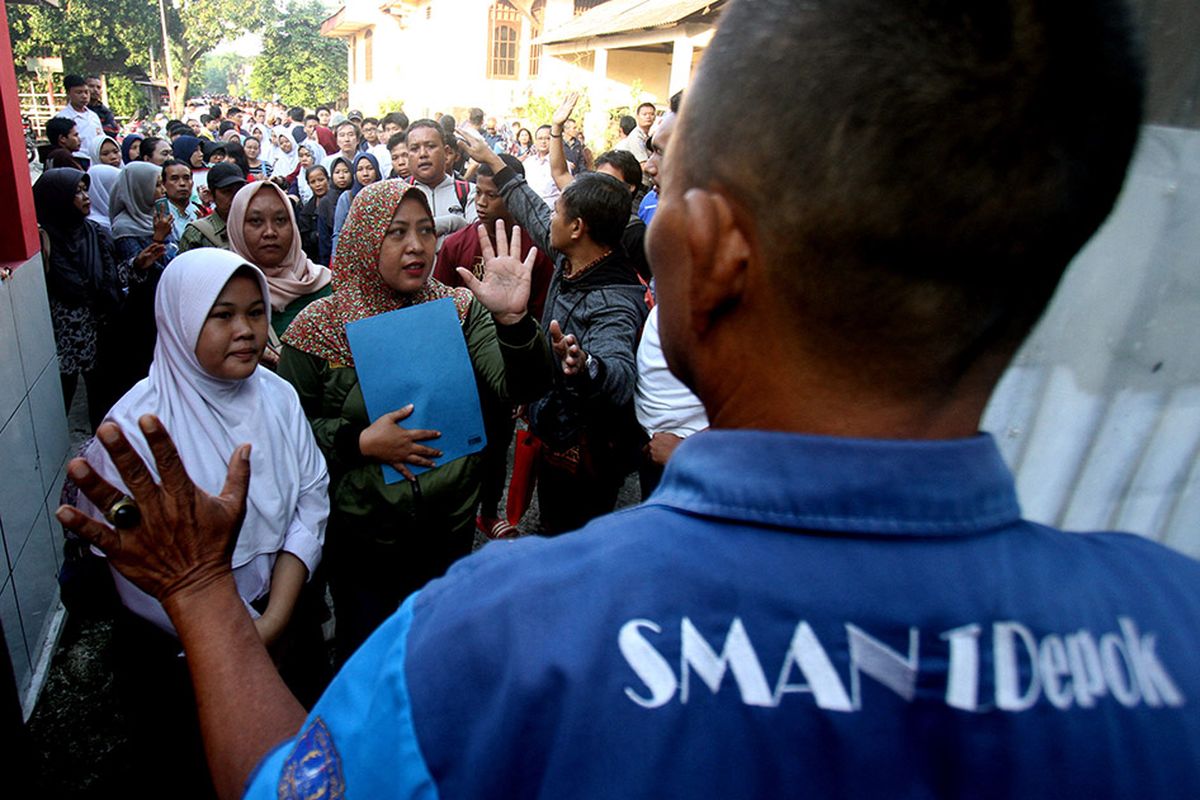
[(841, 319), (280, 227)]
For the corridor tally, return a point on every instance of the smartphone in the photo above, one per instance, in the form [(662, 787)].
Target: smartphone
[(161, 208)]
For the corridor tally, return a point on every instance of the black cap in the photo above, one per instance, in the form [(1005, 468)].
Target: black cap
[(358, 115), (224, 175)]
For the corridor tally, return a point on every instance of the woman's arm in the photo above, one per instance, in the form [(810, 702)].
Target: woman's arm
[(287, 579)]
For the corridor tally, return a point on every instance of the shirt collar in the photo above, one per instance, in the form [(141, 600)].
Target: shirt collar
[(848, 485)]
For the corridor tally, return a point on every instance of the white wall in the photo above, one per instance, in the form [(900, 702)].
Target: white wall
[(33, 441), (1099, 415)]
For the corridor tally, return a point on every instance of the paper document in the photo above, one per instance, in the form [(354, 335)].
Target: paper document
[(419, 355)]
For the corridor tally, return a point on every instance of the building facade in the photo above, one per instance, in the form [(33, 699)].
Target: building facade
[(448, 55)]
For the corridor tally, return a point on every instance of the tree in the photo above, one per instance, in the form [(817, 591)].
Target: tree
[(297, 63), (117, 35)]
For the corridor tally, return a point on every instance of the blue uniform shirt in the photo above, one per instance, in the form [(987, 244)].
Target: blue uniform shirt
[(786, 616)]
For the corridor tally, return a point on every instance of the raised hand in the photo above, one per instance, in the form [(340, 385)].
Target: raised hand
[(563, 112), (185, 537), (566, 349), (153, 252), (385, 441), (477, 148), (504, 289)]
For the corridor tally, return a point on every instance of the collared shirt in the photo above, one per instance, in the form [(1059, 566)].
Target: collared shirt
[(183, 216), (541, 179), (635, 143), (87, 125), (785, 614)]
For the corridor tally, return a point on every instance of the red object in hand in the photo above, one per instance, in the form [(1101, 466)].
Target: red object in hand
[(524, 476)]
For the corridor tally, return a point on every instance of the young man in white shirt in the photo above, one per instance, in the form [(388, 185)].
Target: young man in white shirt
[(87, 123)]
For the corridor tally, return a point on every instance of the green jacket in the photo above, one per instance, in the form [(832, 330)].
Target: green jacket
[(206, 232), (513, 362)]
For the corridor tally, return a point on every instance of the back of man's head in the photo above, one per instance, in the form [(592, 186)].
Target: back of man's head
[(923, 209), (475, 117), (214, 111), (627, 124), (602, 202), (57, 127), (296, 114)]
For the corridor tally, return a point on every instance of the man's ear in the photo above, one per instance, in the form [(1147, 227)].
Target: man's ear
[(720, 253), (578, 228)]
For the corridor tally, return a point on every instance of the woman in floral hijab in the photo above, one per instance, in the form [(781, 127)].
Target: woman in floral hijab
[(387, 540)]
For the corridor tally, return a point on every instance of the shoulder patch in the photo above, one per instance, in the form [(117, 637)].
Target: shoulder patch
[(314, 768)]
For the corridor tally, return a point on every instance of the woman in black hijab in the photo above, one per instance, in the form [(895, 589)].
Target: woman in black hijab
[(84, 282), (341, 179)]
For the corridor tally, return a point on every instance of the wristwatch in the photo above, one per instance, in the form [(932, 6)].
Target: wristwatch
[(592, 365)]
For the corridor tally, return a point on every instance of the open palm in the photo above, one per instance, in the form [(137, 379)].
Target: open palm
[(504, 288)]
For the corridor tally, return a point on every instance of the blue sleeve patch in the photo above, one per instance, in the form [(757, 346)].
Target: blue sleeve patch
[(314, 768)]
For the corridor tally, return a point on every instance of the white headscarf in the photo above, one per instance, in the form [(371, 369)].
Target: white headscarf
[(131, 204), (209, 417), (104, 178), (96, 144), (284, 163)]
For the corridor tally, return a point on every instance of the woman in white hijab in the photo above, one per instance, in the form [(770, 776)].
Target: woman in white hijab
[(286, 159), (207, 389), (104, 179), (104, 150)]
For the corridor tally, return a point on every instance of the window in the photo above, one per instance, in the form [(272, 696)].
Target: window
[(504, 33), (368, 57), (538, 12)]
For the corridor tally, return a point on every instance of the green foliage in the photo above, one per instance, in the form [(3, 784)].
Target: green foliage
[(117, 36), (89, 35), (539, 108), (297, 64), (125, 98), (221, 74)]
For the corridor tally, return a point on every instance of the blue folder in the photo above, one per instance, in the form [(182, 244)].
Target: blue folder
[(419, 355)]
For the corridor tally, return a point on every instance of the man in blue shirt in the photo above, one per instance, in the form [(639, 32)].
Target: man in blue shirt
[(832, 592)]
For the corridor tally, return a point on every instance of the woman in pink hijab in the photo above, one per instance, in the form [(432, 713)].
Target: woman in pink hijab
[(262, 229)]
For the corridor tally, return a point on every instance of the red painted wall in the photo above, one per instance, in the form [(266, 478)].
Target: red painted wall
[(18, 223)]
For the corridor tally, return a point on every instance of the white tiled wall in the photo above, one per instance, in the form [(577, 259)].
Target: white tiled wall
[(33, 446)]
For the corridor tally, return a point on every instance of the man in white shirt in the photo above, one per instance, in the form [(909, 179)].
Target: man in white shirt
[(537, 168), (428, 155), (87, 123)]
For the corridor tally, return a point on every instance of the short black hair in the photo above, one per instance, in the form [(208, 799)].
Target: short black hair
[(174, 162), (510, 161), (307, 117), (674, 102), (57, 127), (425, 123), (214, 111), (626, 163), (475, 116), (371, 120), (922, 211), (627, 124), (234, 110), (602, 202), (645, 104), (324, 108), (400, 137), (205, 119), (147, 148), (71, 81), (396, 118), (296, 114), (541, 128), (316, 168)]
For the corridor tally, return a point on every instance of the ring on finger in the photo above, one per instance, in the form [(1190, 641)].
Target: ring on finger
[(124, 513)]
